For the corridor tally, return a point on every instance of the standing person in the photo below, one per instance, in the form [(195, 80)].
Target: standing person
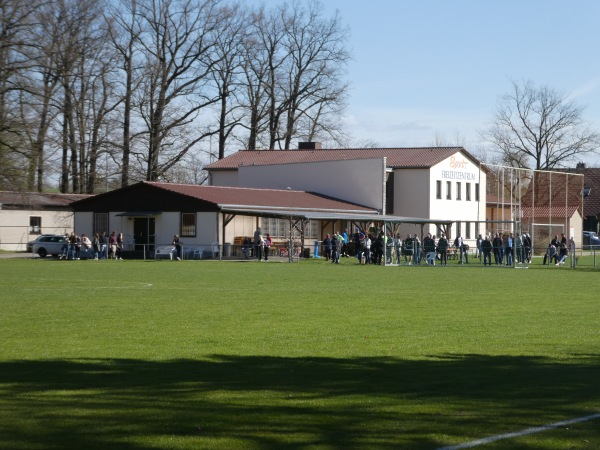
[(345, 243), (327, 247), (378, 246), (442, 249), (112, 242), (509, 250), (367, 244), (336, 247), (398, 248), (77, 247), (429, 249), (478, 243), (103, 246), (572, 251), (459, 244), (72, 245), (417, 248), (550, 254), (497, 246), (120, 246), (257, 243), (408, 249), (486, 248), (518, 244), (260, 247), (528, 246), (96, 245), (268, 241), (359, 238), (177, 245), (389, 247), (86, 244), (64, 249)]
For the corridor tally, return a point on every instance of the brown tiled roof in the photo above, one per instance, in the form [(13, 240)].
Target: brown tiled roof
[(38, 200), (406, 158), (547, 211), (262, 198), (554, 189), (591, 175)]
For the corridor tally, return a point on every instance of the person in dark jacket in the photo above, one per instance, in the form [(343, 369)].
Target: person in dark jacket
[(442, 249), (486, 248), (327, 247)]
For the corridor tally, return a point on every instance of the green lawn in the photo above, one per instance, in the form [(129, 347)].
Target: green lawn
[(226, 355)]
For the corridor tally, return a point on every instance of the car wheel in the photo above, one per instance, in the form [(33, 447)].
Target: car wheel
[(42, 252)]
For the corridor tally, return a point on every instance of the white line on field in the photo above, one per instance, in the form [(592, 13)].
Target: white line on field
[(525, 432)]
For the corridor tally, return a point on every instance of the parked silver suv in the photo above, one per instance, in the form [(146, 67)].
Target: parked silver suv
[(48, 244)]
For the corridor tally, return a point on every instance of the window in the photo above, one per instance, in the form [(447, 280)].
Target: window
[(35, 224), (476, 192), (448, 190), (458, 190), (101, 223), (468, 192), (280, 229), (458, 228), (438, 189), (188, 224), (467, 230)]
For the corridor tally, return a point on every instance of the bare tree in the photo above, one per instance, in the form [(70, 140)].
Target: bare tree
[(263, 61), (317, 59), (229, 52), (125, 31), (178, 41), (17, 22), (540, 128)]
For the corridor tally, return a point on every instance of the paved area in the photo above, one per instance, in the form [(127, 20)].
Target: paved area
[(8, 255)]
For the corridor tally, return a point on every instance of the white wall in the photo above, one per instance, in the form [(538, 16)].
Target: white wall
[(458, 169), (224, 178), (358, 181), (14, 226)]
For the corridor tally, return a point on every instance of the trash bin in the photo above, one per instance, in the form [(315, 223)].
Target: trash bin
[(227, 249)]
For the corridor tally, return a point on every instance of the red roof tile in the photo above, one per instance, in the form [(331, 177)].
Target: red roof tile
[(547, 211), (265, 198), (38, 200), (424, 157), (591, 180)]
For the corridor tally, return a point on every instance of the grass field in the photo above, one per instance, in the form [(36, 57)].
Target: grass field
[(228, 355)]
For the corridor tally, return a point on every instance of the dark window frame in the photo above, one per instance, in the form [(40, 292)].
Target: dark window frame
[(188, 229)]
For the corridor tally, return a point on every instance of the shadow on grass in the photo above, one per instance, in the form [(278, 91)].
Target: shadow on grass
[(273, 402)]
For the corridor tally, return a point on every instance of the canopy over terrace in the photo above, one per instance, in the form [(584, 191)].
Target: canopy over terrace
[(298, 217)]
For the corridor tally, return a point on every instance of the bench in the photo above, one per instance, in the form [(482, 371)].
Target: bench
[(165, 250)]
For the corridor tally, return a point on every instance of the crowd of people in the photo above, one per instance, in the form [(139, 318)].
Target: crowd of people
[(505, 250), (371, 247), (78, 247)]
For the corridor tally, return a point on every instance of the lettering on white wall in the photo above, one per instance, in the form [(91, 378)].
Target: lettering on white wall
[(456, 163), (454, 175)]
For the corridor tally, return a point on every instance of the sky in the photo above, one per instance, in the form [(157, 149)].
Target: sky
[(427, 68)]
